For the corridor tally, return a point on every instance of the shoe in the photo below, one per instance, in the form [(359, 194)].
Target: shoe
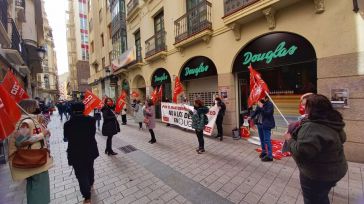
[(220, 138), (87, 201), (262, 155), (106, 151), (150, 141), (200, 151), (153, 141), (267, 159), (112, 153)]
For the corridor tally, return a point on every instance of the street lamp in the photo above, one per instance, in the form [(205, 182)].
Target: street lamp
[(41, 52)]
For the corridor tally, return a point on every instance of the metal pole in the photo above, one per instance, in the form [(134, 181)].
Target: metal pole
[(284, 118)]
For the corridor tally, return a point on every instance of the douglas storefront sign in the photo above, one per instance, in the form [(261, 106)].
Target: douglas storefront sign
[(198, 67), (160, 76), (273, 50)]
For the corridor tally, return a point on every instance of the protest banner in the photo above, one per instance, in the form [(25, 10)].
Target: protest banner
[(178, 114)]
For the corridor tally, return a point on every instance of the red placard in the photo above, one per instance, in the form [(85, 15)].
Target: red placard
[(91, 102), (9, 113)]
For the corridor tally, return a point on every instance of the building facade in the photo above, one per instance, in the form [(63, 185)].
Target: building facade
[(77, 47), (297, 46), (100, 44)]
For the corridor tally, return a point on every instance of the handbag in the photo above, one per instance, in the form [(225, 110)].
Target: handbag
[(30, 158)]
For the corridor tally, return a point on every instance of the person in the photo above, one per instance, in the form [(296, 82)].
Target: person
[(198, 123), (167, 101), (265, 123), (60, 109), (97, 116), (149, 119), (123, 115), (110, 127), (317, 148), (82, 148), (220, 117), (31, 134), (68, 111), (138, 114)]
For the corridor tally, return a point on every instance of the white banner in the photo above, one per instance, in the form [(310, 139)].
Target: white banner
[(177, 114)]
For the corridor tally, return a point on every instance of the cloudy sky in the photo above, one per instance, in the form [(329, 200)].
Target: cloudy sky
[(57, 18)]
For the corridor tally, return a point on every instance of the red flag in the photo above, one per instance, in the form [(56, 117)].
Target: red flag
[(91, 102), (178, 88), (160, 93), (120, 102), (9, 113), (135, 94), (13, 87), (154, 95), (257, 87)]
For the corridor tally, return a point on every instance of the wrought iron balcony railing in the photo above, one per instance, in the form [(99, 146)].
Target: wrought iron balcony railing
[(194, 21), (4, 13), (231, 6), (132, 5), (155, 44), (15, 37)]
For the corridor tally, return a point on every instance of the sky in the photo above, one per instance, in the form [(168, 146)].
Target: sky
[(56, 12)]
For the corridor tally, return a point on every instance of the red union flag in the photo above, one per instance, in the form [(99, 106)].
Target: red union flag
[(135, 94), (9, 113), (178, 88), (258, 87), (13, 87), (160, 93), (120, 102), (91, 101), (154, 95)]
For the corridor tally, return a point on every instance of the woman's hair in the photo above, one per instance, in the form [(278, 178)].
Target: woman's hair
[(218, 99), (319, 107), (77, 108), (107, 99), (199, 103), (150, 102), (29, 105)]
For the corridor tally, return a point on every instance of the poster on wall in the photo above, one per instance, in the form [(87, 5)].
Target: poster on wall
[(224, 92), (340, 98), (177, 114)]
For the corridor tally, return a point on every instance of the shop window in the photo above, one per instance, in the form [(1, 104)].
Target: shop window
[(207, 97)]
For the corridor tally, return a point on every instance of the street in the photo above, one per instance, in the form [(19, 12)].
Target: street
[(170, 171)]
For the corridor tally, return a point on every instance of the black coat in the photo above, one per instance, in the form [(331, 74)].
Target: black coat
[(111, 124), (80, 132)]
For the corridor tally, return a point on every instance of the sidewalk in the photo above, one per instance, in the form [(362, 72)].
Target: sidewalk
[(170, 171)]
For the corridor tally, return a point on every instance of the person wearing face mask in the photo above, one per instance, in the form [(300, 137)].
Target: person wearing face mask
[(220, 117), (31, 134), (149, 119), (110, 127), (199, 122), (265, 125)]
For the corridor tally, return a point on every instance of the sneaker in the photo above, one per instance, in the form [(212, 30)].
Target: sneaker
[(267, 159), (262, 155)]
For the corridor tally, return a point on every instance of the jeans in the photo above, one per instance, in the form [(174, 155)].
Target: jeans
[(85, 175), (152, 136), (315, 192), (61, 114), (109, 143), (219, 120), (201, 142), (264, 136)]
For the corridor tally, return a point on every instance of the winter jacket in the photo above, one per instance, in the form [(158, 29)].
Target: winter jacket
[(82, 146), (198, 118), (267, 112), (111, 124), (138, 113), (317, 148), (150, 116), (222, 110)]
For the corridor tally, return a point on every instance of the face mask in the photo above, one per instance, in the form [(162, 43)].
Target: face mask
[(110, 103), (37, 111), (301, 109), (24, 131)]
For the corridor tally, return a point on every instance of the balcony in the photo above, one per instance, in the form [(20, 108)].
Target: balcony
[(15, 51), (232, 6), (132, 9), (138, 62), (20, 9), (194, 26), (156, 47), (4, 37)]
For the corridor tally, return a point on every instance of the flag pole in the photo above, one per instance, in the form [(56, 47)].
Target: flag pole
[(26, 113), (284, 118)]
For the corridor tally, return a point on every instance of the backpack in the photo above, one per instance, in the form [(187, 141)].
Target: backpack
[(205, 120)]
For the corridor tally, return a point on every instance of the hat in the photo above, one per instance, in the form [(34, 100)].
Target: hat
[(78, 107)]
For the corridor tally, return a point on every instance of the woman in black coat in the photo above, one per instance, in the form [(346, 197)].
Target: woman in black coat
[(110, 127)]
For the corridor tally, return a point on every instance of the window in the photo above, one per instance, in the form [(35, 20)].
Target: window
[(115, 10), (102, 40), (103, 62), (110, 57), (100, 15), (90, 25), (92, 46), (110, 31), (138, 45), (96, 67)]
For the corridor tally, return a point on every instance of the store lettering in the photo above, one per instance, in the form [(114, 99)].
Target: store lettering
[(160, 78), (196, 71), (279, 52)]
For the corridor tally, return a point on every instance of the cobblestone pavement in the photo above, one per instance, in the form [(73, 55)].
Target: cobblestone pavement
[(170, 171)]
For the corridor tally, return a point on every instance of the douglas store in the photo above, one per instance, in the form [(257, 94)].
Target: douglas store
[(287, 63)]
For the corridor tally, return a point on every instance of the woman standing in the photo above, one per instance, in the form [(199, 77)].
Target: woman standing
[(317, 148), (149, 119), (31, 134), (198, 123), (138, 113), (110, 127)]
